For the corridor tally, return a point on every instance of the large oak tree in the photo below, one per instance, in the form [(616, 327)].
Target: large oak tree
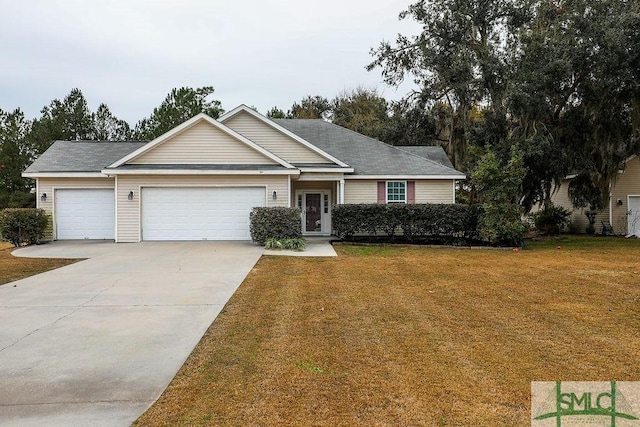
[(557, 80)]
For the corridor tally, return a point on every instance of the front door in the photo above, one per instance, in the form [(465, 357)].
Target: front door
[(313, 212), (315, 209)]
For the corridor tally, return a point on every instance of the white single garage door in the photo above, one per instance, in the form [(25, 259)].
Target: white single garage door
[(85, 214), (220, 213)]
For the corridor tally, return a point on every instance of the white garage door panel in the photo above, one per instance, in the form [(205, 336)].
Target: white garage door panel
[(85, 214), (198, 213)]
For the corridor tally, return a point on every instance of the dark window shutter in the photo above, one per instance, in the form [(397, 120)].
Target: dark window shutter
[(382, 192), (411, 191)]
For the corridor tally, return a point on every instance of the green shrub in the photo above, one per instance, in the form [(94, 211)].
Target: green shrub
[(20, 226), (552, 219), (17, 200), (275, 222), (501, 224), (497, 182), (413, 221), (297, 244)]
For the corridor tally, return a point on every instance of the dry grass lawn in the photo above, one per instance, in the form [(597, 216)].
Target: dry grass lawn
[(14, 268), (414, 337)]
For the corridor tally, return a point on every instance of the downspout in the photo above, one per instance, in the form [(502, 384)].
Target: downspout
[(115, 194), (610, 206), (454, 191)]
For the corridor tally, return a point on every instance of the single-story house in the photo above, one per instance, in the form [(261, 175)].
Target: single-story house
[(623, 209), (200, 180)]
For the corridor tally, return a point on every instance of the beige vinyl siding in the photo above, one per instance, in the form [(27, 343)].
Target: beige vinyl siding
[(49, 185), (427, 191), (128, 211), (273, 140), (434, 191), (579, 220), (202, 143), (628, 184), (360, 191)]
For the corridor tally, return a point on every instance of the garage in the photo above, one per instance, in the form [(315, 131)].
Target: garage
[(211, 213), (85, 214)]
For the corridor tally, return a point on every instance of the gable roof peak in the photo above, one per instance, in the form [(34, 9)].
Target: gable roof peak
[(191, 122), (273, 124)]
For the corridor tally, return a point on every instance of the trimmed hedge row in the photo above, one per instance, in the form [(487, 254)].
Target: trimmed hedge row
[(23, 226), (412, 221), (275, 222)]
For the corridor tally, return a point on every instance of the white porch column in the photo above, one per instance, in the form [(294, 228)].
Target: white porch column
[(341, 192)]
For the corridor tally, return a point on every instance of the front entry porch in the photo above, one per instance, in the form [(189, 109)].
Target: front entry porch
[(315, 200)]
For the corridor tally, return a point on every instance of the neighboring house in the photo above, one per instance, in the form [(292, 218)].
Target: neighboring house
[(623, 210), (200, 180)]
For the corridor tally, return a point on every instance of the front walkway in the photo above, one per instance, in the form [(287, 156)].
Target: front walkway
[(316, 247)]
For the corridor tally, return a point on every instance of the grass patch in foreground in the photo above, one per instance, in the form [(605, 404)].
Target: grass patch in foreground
[(595, 243), (410, 336), (15, 268)]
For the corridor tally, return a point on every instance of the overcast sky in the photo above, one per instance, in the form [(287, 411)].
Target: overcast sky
[(130, 53)]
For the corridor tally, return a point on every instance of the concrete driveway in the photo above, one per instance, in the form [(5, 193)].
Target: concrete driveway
[(95, 343)]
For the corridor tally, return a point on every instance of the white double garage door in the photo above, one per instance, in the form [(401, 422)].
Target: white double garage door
[(167, 213)]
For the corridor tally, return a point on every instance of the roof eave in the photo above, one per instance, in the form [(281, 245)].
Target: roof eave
[(63, 175), (114, 172), (406, 177), (326, 170)]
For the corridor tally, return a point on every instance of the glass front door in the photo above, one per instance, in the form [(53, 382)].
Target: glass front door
[(313, 212)]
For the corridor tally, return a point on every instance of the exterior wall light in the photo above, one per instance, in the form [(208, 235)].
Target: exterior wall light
[(274, 196), (619, 202), (130, 196), (43, 198)]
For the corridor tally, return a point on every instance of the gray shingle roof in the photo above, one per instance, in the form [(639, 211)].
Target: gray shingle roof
[(82, 156), (431, 152), (366, 155)]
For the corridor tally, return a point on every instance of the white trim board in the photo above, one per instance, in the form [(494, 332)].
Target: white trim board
[(404, 177), (64, 175), (198, 172)]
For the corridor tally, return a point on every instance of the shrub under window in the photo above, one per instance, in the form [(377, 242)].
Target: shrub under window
[(415, 222)]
